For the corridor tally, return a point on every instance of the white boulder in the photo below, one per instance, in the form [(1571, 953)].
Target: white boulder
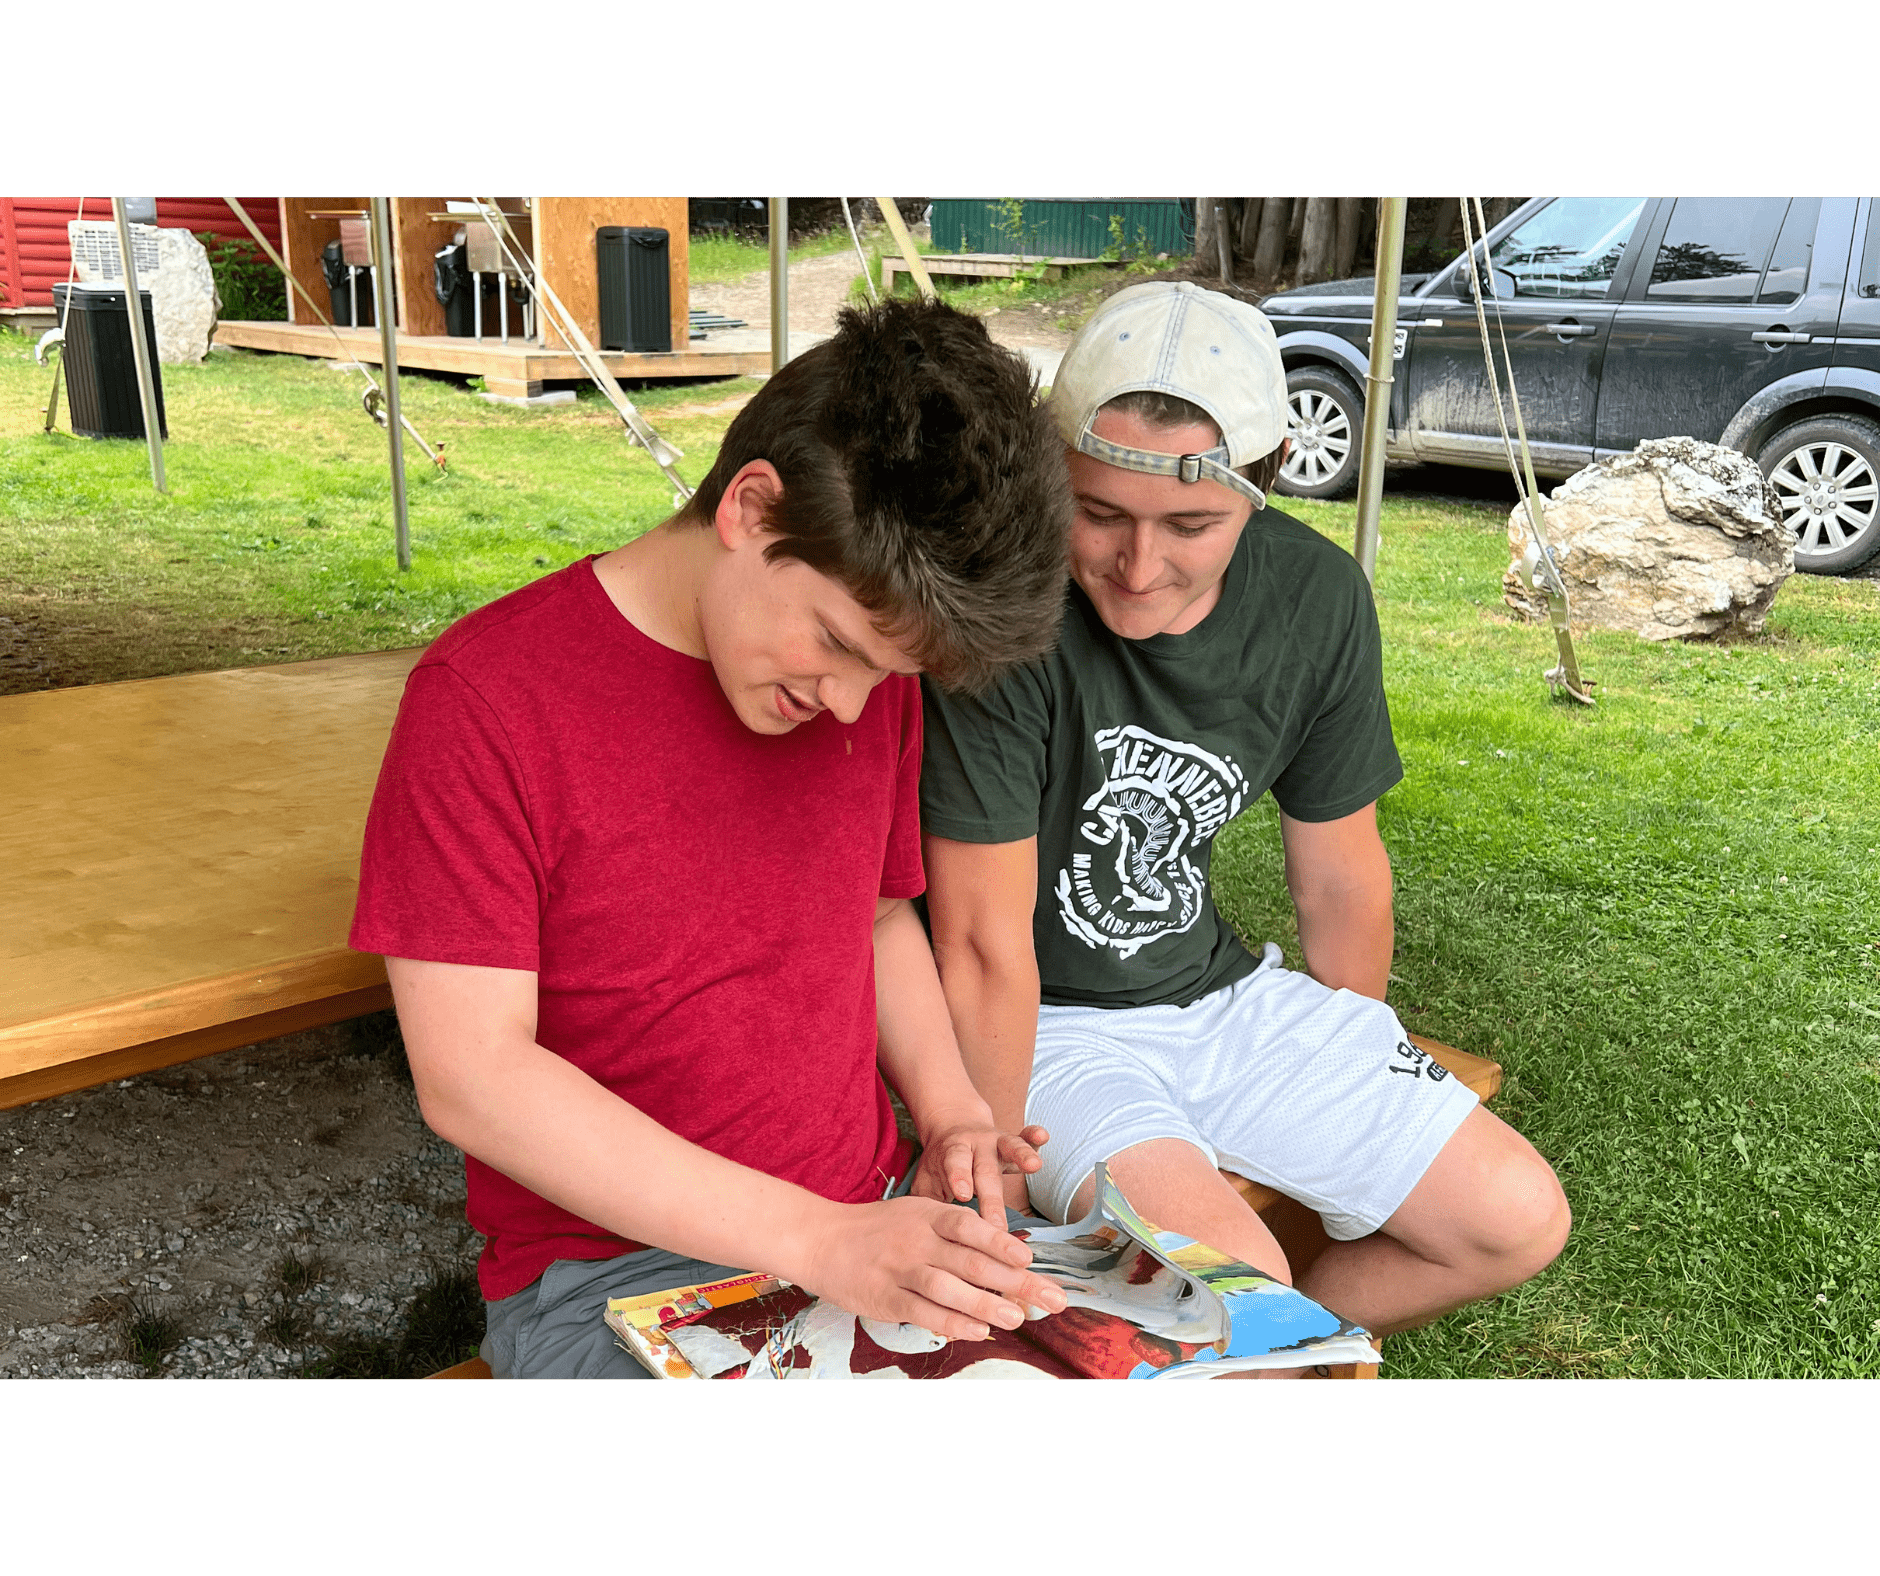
[(1677, 540), (182, 297)]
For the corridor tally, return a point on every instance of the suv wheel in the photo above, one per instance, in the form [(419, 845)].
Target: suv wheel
[(1827, 474), (1326, 427)]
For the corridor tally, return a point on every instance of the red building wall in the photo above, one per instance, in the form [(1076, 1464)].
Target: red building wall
[(35, 254)]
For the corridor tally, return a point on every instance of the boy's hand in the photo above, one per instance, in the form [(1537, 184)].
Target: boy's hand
[(914, 1261), (972, 1158)]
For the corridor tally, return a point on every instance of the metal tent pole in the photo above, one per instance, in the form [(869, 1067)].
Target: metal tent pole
[(779, 282), (388, 341), (140, 349), (1390, 219)]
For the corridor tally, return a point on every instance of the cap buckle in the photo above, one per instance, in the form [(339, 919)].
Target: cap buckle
[(1190, 468)]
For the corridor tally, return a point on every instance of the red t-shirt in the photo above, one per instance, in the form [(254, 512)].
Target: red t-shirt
[(565, 795)]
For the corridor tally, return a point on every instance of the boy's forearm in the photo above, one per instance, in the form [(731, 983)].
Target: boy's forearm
[(1348, 940), (917, 1049), (994, 1006), (1339, 876)]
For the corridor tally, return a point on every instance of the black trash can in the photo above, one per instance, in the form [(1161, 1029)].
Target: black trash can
[(101, 363), (344, 285), (452, 284), (636, 288)]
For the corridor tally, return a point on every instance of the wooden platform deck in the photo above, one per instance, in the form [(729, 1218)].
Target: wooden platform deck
[(515, 369), (981, 265), (182, 856)]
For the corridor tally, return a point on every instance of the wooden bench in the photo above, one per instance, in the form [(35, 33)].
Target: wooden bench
[(1298, 1229), (181, 860)]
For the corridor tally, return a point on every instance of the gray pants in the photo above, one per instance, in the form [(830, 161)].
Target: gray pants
[(557, 1329)]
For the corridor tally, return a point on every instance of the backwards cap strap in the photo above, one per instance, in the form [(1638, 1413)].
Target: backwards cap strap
[(1187, 467)]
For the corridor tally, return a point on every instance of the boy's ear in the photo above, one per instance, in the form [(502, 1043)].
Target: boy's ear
[(744, 507)]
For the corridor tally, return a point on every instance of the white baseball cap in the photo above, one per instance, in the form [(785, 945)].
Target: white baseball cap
[(1199, 345)]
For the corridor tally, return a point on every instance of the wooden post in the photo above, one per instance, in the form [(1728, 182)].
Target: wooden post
[(910, 253)]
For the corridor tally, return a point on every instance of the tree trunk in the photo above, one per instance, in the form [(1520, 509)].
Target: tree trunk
[(1345, 253), (1207, 251), (1249, 237), (1316, 240), (1367, 230), (1269, 253), (1224, 236), (1445, 237)]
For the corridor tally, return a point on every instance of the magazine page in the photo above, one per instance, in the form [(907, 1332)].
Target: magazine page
[(641, 1322), (1197, 1313), (788, 1334)]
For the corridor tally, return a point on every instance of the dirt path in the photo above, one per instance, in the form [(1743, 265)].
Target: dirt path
[(819, 288)]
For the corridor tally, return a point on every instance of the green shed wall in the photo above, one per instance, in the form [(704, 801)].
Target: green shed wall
[(1065, 227)]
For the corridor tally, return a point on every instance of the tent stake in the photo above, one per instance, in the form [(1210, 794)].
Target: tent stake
[(388, 340), (1390, 221), (140, 350)]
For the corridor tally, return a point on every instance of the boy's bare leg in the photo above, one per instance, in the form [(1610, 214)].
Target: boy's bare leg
[(1488, 1215), (1174, 1186)]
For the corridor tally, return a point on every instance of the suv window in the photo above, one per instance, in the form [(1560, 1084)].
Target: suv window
[(1714, 249), (1870, 260), (1570, 248), (1787, 278)]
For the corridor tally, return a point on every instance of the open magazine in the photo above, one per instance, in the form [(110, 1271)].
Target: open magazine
[(1144, 1304)]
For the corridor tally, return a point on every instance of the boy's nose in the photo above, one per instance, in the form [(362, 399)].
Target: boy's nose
[(845, 696), (1136, 561)]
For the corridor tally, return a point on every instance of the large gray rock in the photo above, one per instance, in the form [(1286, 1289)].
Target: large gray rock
[(1676, 540), (182, 297)]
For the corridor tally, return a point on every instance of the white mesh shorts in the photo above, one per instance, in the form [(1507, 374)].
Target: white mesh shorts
[(1315, 1092)]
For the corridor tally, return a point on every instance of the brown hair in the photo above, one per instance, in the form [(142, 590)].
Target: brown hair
[(1171, 410), (920, 472)]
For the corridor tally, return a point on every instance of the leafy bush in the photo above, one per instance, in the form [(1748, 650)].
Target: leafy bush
[(251, 287)]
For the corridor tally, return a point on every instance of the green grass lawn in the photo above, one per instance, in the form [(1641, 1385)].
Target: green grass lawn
[(275, 539), (1661, 915), (723, 258)]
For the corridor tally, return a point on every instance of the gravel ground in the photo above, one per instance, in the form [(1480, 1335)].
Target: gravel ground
[(194, 1193)]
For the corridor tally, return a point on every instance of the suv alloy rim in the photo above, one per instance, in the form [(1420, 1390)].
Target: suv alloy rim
[(1829, 496), (1321, 437)]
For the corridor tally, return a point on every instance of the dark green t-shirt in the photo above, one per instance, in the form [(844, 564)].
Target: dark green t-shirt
[(1126, 757)]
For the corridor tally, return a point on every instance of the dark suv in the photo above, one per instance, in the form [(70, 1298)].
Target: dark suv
[(1748, 321)]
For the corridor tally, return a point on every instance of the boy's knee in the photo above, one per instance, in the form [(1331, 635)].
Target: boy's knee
[(1525, 1219)]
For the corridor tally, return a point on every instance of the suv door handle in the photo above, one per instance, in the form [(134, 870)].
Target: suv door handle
[(1571, 330), (1779, 336)]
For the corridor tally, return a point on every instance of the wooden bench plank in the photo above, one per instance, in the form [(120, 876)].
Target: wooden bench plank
[(182, 858)]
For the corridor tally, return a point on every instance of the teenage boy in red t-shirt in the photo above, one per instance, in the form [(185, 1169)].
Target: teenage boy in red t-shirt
[(642, 853)]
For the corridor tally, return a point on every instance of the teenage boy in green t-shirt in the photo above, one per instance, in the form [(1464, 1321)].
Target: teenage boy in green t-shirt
[(1213, 649)]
